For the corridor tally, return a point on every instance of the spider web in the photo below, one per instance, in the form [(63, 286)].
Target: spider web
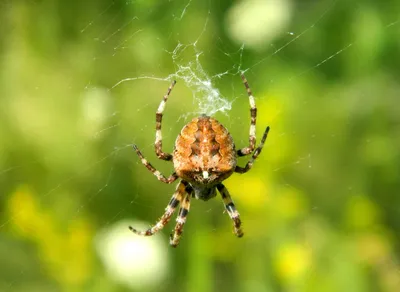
[(89, 199)]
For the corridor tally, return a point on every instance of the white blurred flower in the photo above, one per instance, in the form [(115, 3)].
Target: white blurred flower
[(257, 22), (136, 261), (96, 108)]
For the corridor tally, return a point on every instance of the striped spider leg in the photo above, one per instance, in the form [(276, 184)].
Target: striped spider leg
[(180, 197), (252, 134)]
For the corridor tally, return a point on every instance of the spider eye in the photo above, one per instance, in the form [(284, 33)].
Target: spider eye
[(205, 174)]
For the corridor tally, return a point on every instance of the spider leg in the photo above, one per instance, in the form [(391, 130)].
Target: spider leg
[(254, 156), (150, 167), (173, 203), (230, 207), (181, 219), (158, 143), (253, 114)]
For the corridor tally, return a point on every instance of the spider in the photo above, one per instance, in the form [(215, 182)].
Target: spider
[(204, 156)]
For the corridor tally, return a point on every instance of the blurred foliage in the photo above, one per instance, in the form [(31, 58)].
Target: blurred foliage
[(319, 208)]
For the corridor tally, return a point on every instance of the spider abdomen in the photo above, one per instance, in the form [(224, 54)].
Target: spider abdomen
[(204, 153)]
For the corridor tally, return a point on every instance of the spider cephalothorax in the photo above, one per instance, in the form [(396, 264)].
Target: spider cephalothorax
[(203, 157)]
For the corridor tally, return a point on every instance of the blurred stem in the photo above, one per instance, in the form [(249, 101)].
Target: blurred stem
[(200, 271)]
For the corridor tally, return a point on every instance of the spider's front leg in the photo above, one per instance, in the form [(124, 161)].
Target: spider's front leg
[(181, 219), (173, 203), (230, 207)]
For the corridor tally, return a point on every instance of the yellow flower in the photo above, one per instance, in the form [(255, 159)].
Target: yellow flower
[(292, 261), (65, 252)]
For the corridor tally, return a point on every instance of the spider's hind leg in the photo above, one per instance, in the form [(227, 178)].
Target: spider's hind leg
[(158, 143), (257, 152), (230, 207), (253, 117), (173, 203)]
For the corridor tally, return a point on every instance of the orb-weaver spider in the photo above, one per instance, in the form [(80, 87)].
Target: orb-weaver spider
[(204, 156)]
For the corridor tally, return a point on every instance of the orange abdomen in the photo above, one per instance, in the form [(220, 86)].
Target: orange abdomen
[(204, 152)]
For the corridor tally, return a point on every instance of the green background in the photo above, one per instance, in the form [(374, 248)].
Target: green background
[(321, 206)]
